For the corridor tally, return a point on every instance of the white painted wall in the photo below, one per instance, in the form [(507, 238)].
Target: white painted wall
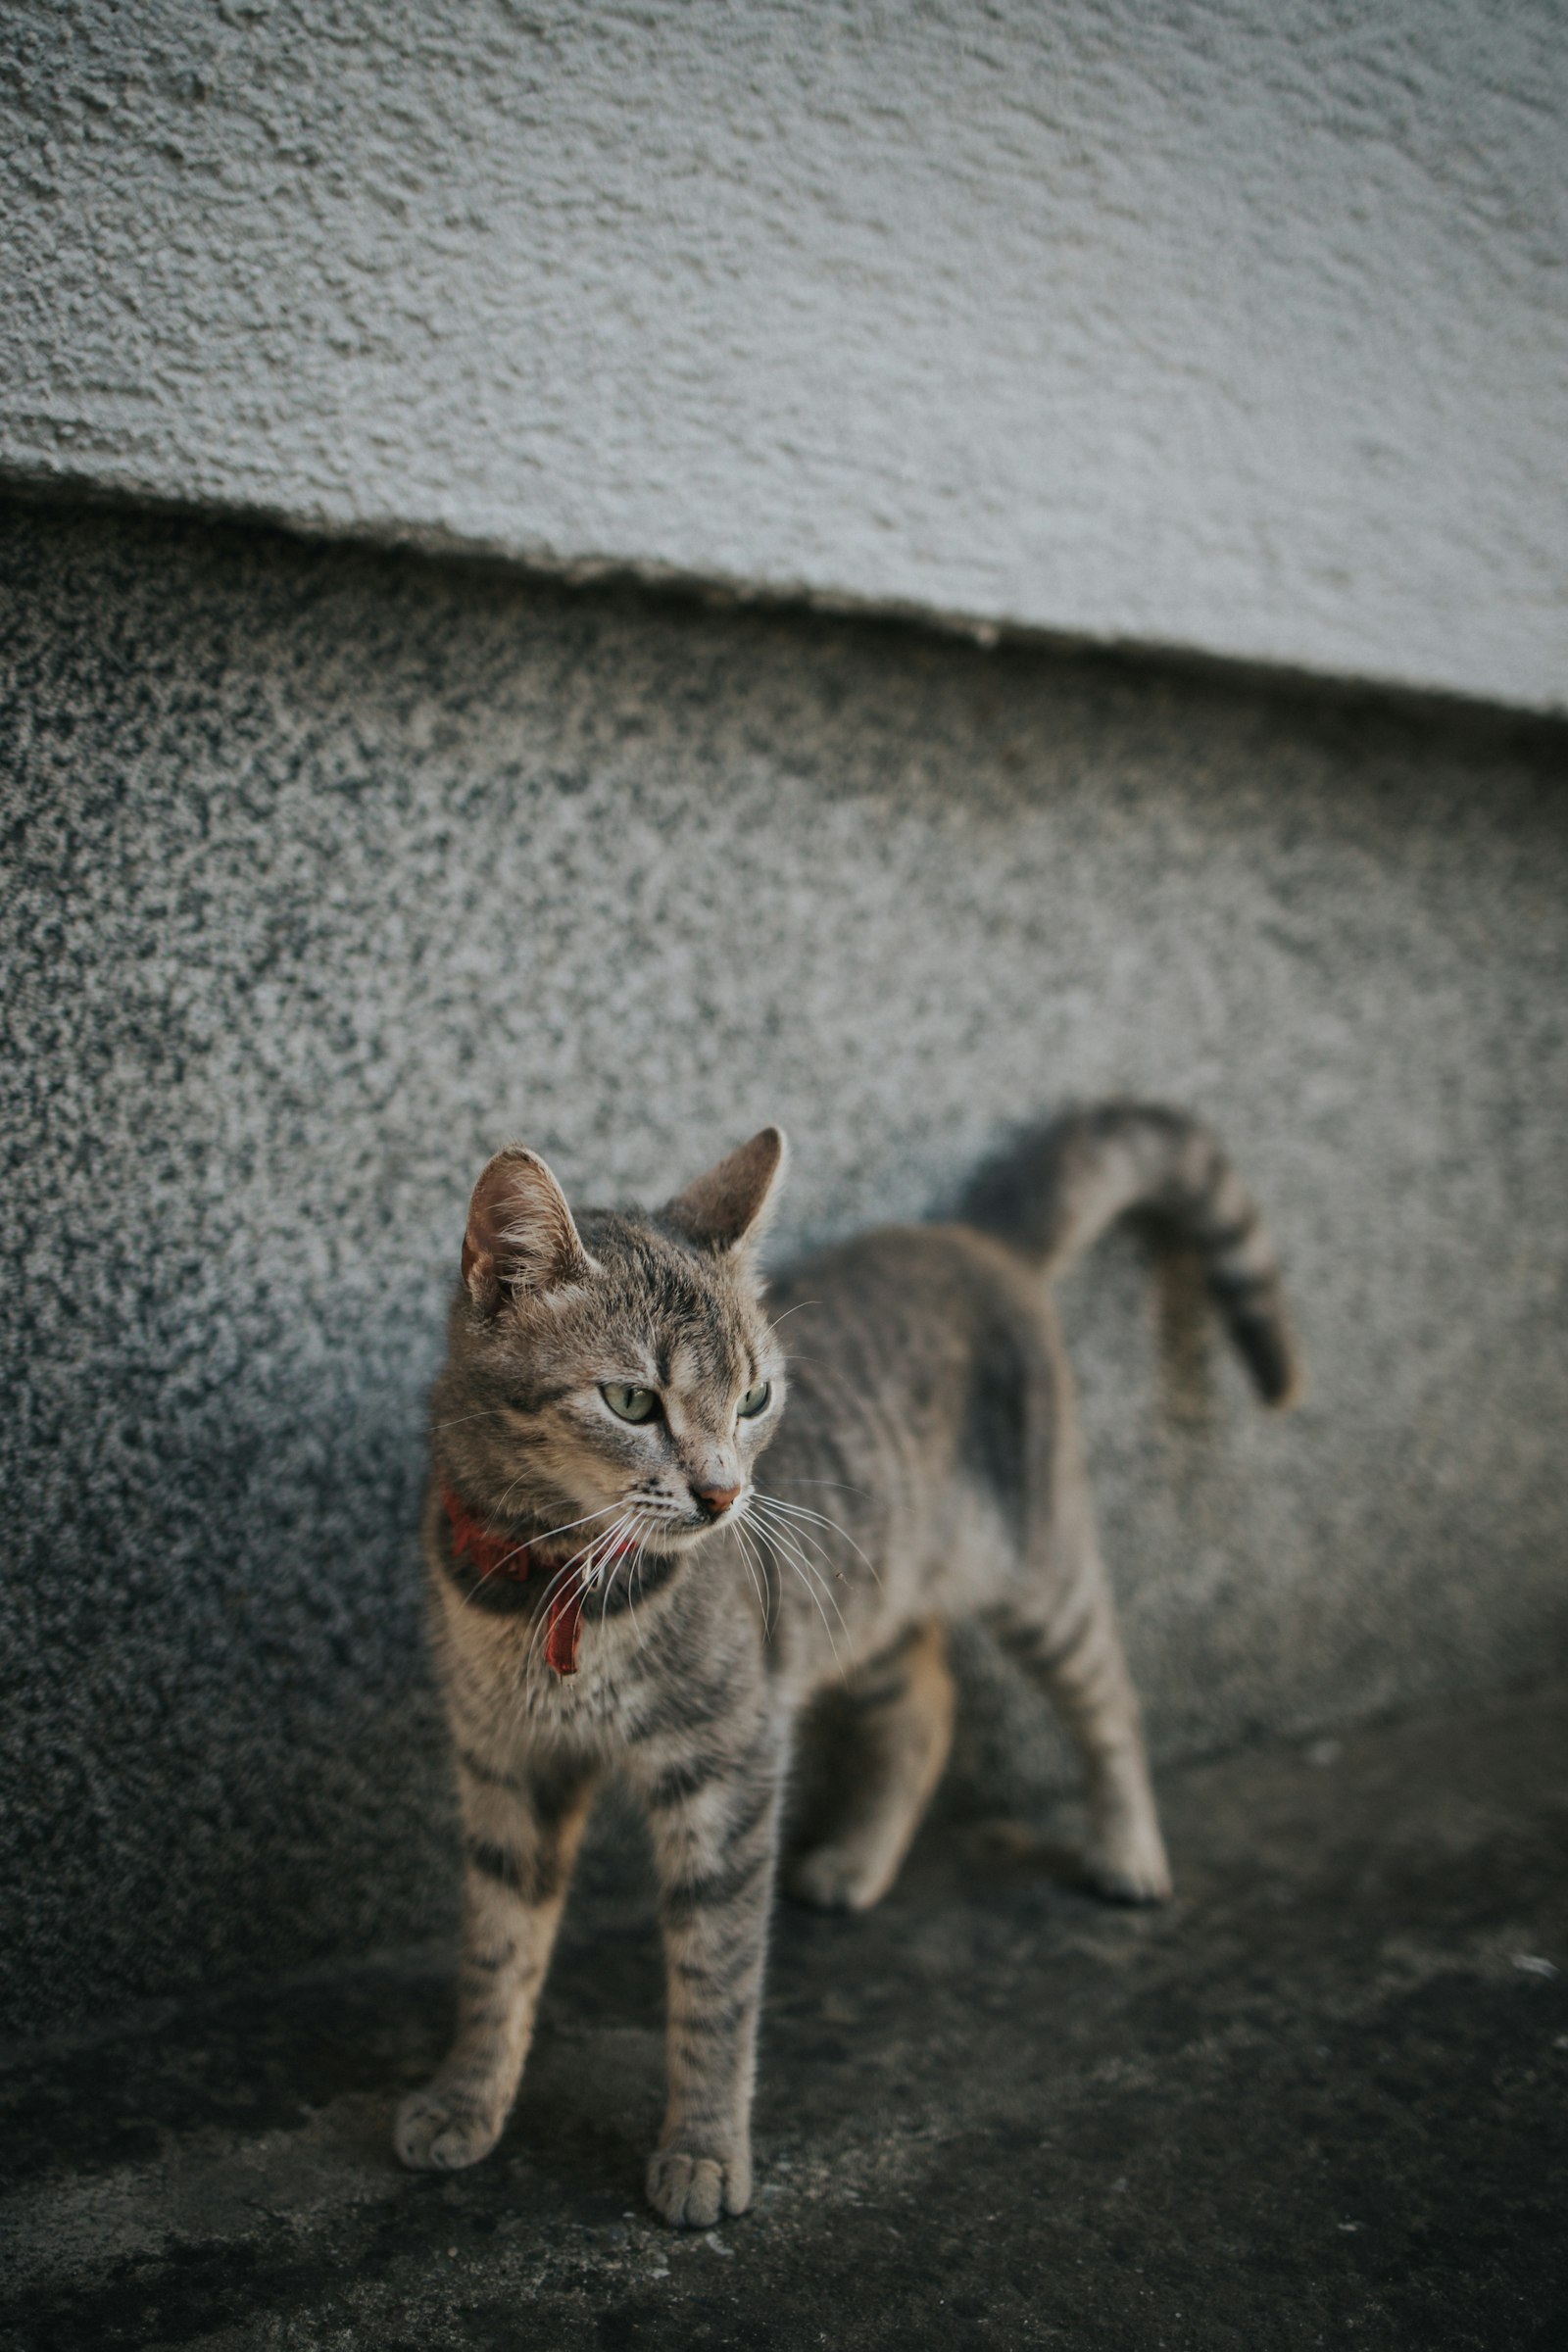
[(1211, 322)]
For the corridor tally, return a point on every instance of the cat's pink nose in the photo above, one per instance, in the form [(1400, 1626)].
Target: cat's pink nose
[(716, 1501)]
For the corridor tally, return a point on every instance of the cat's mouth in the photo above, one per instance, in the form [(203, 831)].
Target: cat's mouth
[(686, 1533), (676, 1533), (651, 1536)]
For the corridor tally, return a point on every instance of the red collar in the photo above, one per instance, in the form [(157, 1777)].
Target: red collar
[(499, 1555)]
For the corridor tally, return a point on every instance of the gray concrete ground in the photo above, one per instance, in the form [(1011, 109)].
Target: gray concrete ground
[(1318, 2101)]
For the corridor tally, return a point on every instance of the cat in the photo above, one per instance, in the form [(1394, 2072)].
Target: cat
[(613, 1589)]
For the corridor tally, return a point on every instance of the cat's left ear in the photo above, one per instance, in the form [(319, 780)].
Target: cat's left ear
[(732, 1203)]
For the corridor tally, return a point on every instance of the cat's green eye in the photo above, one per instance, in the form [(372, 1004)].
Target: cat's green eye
[(754, 1400), (629, 1405)]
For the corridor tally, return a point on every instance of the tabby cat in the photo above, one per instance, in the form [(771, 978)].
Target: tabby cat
[(614, 1588)]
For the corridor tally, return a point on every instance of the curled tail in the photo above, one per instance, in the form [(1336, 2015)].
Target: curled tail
[(1053, 1193)]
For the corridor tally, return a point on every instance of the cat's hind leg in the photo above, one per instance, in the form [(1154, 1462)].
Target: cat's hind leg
[(521, 1832), (901, 1708), (1071, 1647)]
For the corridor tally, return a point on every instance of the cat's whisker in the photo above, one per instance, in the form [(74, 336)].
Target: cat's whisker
[(793, 1562), (543, 1536), (627, 1531), (803, 1525), (772, 1591), (538, 1536), (604, 1546), (604, 1603), (497, 1566), (539, 1640), (541, 1623), (804, 1533), (806, 1567), (788, 1536), (747, 1556), (548, 1535), (789, 1555), (629, 1527), (633, 1584), (634, 1570), (801, 1510), (842, 1483), (797, 1308), (585, 1577), (829, 1567)]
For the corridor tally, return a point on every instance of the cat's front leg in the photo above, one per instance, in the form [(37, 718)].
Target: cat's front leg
[(521, 1832), (714, 1812)]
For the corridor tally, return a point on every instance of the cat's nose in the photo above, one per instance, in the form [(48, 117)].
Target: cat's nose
[(716, 1501)]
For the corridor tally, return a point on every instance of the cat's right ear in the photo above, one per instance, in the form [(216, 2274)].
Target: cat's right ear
[(520, 1234)]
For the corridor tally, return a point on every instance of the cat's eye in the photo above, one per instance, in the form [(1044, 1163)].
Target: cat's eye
[(754, 1400), (629, 1405)]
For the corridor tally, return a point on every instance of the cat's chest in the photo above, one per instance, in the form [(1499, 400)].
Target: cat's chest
[(507, 1679)]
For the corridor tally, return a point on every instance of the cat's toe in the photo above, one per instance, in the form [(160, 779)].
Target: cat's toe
[(1130, 1870), (693, 2191), (830, 1879), (1126, 1886), (436, 2134)]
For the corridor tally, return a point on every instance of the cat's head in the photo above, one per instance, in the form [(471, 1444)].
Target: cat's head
[(612, 1370)]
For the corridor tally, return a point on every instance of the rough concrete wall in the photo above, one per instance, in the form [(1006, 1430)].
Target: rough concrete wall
[(326, 871), (1227, 325)]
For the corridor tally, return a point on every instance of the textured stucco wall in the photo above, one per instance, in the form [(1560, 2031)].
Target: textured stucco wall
[(324, 872), (1221, 326)]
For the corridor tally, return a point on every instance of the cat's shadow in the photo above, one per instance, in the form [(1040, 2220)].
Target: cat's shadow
[(964, 1858), (1006, 1852)]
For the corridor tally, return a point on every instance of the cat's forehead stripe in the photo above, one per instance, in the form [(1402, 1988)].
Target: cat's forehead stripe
[(698, 1325)]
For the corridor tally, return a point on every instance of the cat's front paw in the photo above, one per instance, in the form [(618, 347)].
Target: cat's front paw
[(692, 2189), (439, 2133), (1129, 1866)]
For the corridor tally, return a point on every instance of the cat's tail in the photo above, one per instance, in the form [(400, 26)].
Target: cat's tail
[(1053, 1192)]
